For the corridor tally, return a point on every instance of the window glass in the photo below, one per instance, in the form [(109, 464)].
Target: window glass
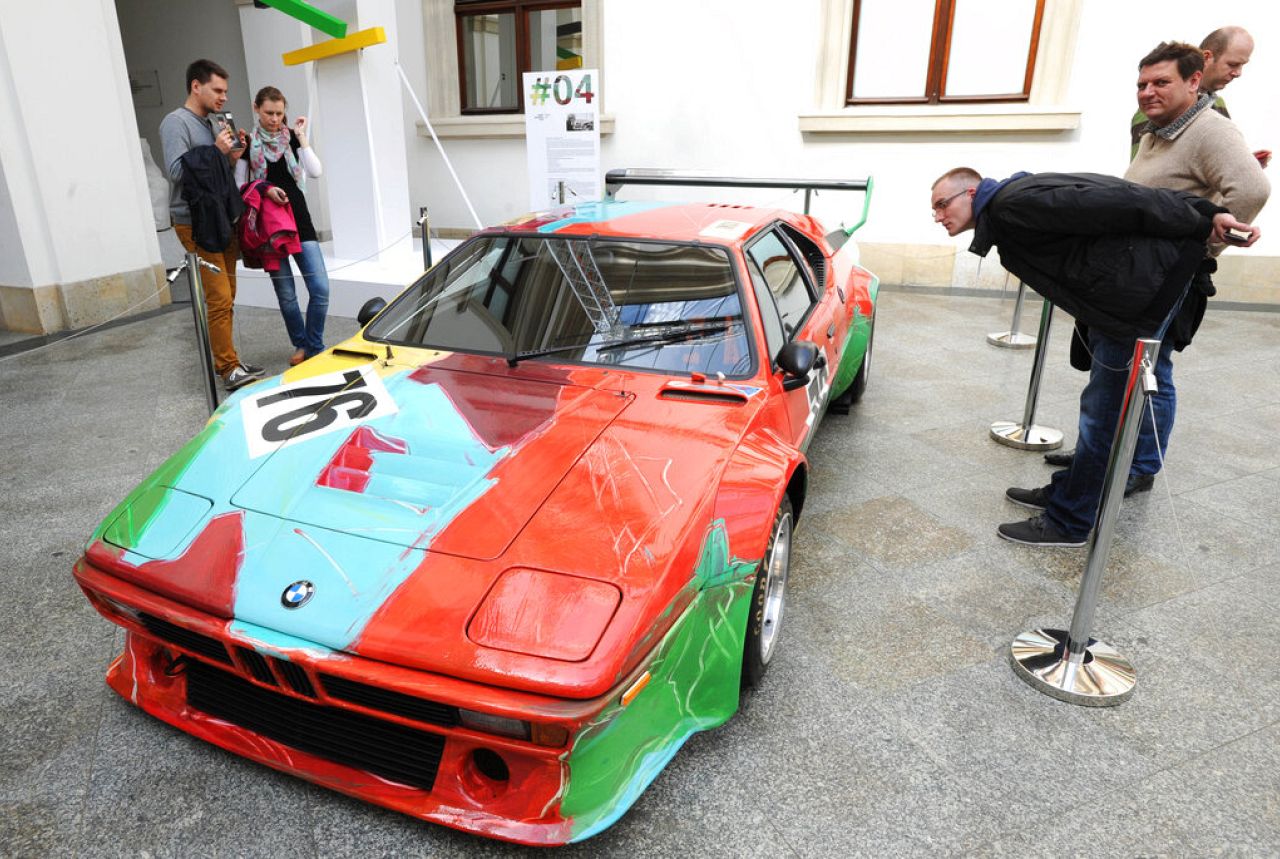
[(489, 62), (933, 51), (894, 67), (784, 280), (774, 336), (647, 305), (972, 67), (555, 39)]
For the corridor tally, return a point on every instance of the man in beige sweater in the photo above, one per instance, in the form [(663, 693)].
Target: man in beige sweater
[(1187, 146)]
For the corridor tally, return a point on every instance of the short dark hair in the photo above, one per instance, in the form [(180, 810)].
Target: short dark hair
[(966, 175), (269, 93), (1189, 58), (202, 70), (1217, 42)]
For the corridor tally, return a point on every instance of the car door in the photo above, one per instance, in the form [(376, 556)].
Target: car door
[(791, 311)]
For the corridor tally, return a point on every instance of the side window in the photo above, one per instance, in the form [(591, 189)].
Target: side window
[(774, 337), (785, 282)]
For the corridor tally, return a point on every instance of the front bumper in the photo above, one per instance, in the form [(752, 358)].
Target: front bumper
[(391, 736)]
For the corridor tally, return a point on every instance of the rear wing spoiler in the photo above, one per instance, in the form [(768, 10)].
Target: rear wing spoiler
[(616, 179)]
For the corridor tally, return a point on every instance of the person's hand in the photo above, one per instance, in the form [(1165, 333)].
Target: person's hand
[(1223, 221), (300, 130), (224, 141), (277, 195), (1263, 156), (241, 141)]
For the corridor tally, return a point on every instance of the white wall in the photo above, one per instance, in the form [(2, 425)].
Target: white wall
[(72, 168), (165, 36), (718, 85)]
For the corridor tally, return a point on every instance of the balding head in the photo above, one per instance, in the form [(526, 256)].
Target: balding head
[(1226, 51)]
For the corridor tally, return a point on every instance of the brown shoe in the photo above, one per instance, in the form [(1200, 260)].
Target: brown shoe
[(297, 358)]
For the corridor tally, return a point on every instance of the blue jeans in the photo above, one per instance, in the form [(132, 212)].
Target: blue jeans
[(1075, 492), (308, 336)]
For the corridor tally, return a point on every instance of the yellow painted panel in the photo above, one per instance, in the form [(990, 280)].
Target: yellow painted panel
[(334, 47)]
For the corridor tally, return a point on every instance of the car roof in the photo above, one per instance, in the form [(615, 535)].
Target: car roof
[(722, 223)]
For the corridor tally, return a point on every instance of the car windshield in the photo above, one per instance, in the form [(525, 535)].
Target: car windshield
[(647, 305)]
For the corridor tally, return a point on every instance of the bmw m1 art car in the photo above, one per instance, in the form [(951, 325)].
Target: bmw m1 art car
[(493, 560)]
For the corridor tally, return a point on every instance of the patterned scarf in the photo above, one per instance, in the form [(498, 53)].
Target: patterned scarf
[(265, 146)]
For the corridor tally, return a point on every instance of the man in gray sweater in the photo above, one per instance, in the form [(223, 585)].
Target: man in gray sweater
[(181, 131)]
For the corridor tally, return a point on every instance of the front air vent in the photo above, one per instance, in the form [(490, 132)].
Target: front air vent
[(404, 755), (704, 395), (295, 676), (257, 665), (396, 703), (202, 645)]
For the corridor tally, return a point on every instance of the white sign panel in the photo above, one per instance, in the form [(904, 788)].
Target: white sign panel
[(321, 404), (562, 137)]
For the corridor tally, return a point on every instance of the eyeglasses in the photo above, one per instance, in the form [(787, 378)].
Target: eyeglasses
[(939, 205)]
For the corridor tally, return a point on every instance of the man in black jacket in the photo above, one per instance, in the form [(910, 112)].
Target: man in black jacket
[(1116, 256)]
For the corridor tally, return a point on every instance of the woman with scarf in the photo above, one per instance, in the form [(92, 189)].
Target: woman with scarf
[(283, 157)]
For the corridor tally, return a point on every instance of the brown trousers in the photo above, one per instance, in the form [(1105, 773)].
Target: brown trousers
[(219, 298)]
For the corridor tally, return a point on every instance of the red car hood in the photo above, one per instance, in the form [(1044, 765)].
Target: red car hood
[(459, 441)]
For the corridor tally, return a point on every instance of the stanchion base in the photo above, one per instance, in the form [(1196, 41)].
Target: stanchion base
[(1034, 437), (1012, 340), (1104, 679)]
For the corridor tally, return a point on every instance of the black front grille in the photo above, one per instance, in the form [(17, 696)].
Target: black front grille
[(395, 752), (296, 678), (207, 647), (257, 665), (389, 702)]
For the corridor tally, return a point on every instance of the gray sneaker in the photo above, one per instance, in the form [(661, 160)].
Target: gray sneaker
[(252, 369), (237, 378)]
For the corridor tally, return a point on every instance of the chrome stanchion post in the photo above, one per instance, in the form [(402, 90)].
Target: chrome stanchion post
[(1026, 435), (192, 265), (424, 224), (1070, 665), (1013, 338)]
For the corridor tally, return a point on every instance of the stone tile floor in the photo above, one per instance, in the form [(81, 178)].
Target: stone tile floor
[(891, 723)]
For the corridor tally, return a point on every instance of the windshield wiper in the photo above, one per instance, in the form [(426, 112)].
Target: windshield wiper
[(692, 332), (671, 336), (516, 357)]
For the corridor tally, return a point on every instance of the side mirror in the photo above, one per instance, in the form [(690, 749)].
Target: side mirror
[(796, 360), (371, 308)]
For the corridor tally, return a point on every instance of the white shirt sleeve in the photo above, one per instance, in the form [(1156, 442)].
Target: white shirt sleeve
[(242, 171), (310, 161)]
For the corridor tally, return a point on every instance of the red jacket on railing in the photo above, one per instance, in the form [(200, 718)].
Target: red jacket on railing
[(268, 231)]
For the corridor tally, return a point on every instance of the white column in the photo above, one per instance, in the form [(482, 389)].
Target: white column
[(362, 125), (77, 235)]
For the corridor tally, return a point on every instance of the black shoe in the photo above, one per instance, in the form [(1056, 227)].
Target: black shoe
[(1036, 499), (1138, 483), (1060, 458), (236, 379), (1038, 531), (252, 369)]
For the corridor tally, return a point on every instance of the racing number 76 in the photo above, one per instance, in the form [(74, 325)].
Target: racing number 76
[(320, 413)]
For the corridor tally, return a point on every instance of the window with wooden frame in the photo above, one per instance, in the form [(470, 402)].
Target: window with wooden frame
[(942, 51), (498, 41)]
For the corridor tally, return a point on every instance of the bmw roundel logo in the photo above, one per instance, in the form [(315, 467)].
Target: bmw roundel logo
[(297, 594)]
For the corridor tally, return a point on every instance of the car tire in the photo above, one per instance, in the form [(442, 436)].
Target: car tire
[(768, 599), (859, 386)]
